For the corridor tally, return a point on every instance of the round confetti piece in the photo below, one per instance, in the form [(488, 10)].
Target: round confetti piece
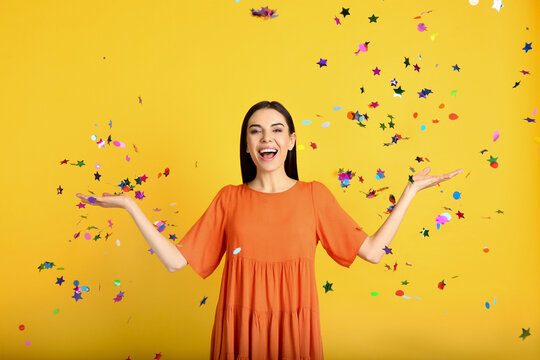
[(56, 311), (93, 137), (126, 188), (27, 342), (301, 147), (485, 249), (76, 283), (87, 236), (116, 282), (494, 165), (306, 122), (456, 195), (237, 250), (453, 116), (85, 288), (447, 215), (117, 242), (441, 106), (336, 108), (91, 200), (97, 166), (496, 135), (399, 293), (415, 115), (487, 305), (119, 144), (127, 158), (350, 115), (423, 127), (421, 27), (21, 327), (374, 293), (326, 124), (453, 93)]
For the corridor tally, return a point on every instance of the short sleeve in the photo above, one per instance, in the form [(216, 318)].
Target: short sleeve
[(338, 233), (204, 244)]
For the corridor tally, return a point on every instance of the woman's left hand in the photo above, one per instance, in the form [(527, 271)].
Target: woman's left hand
[(422, 180)]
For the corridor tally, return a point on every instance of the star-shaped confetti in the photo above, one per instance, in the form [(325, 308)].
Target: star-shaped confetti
[(376, 71), (373, 18), (398, 91), (456, 67), (345, 12), (59, 190), (528, 46), (406, 62), (328, 287), (497, 5), (60, 280), (525, 333), (387, 250), (322, 62)]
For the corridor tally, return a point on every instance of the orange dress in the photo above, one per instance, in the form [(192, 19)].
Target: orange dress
[(268, 306)]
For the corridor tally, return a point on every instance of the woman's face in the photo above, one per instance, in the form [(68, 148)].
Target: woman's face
[(268, 128)]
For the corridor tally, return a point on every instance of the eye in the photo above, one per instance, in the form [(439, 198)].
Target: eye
[(256, 131)]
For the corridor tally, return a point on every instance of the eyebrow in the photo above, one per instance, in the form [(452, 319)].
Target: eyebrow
[(252, 125)]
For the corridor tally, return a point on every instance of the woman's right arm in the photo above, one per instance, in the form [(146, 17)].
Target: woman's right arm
[(168, 253)]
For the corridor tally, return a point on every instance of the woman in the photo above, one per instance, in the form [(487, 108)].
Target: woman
[(269, 227)]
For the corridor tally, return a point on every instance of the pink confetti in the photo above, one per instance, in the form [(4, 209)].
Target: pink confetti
[(127, 158), (27, 342), (119, 144), (496, 135), (97, 166), (87, 236), (421, 27), (534, 112)]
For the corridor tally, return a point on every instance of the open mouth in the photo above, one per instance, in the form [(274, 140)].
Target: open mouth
[(268, 156)]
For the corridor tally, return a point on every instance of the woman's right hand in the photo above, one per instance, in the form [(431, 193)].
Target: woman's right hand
[(108, 200)]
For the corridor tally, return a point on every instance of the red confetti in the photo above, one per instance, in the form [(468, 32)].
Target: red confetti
[(452, 116), (400, 293)]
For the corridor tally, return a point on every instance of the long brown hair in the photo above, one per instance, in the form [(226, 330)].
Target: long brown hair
[(249, 169)]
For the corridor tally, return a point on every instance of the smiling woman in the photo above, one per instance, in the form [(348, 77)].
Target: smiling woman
[(268, 304)]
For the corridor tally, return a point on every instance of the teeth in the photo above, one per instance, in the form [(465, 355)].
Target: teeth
[(268, 150)]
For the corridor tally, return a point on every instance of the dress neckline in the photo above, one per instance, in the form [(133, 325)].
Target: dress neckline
[(273, 193)]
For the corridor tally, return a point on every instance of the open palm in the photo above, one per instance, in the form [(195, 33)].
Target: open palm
[(422, 180)]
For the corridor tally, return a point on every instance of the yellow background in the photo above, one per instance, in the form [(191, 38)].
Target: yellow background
[(69, 67)]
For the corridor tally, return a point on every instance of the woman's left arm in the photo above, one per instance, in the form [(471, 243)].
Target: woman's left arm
[(383, 237)]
